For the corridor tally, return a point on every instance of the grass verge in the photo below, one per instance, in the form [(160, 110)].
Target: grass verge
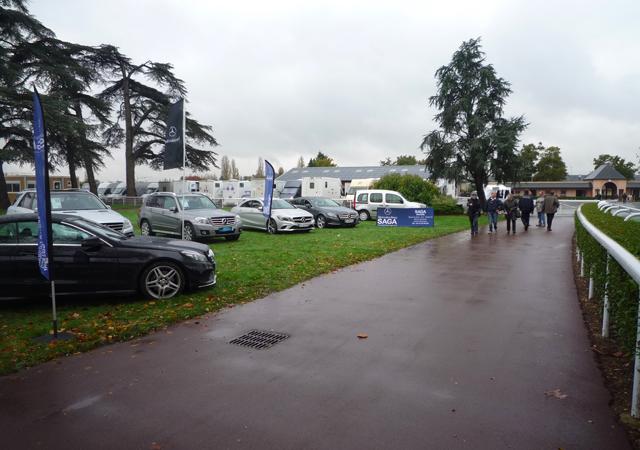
[(248, 269)]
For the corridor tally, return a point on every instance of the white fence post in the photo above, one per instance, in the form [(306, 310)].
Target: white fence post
[(590, 296), (582, 264), (605, 311), (636, 368)]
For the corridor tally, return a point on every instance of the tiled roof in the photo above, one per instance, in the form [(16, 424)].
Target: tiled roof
[(352, 173), (605, 172)]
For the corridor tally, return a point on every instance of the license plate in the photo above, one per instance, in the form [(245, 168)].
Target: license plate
[(225, 230), (348, 220)]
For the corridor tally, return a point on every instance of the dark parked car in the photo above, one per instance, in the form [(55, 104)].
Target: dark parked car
[(327, 212), (89, 258)]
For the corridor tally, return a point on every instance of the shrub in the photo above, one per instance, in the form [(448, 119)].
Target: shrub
[(412, 187), (445, 205)]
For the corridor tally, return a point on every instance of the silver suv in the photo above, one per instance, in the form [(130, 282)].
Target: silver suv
[(164, 213)]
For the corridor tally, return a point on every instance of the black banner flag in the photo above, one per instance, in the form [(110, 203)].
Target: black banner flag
[(174, 144)]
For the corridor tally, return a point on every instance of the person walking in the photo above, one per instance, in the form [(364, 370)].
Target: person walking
[(551, 205), (526, 206), (540, 210), (511, 212), (493, 206), (473, 211)]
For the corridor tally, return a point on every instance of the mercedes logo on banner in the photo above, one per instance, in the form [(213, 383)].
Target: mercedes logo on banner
[(387, 212), (173, 132)]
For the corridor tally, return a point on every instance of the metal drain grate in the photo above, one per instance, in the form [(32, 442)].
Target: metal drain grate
[(259, 339)]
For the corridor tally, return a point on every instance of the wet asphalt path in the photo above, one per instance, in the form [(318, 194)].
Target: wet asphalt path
[(465, 337)]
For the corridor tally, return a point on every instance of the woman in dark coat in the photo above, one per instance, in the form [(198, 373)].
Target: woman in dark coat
[(473, 211), (511, 213)]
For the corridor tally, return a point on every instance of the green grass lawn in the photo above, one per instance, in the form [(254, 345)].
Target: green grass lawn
[(248, 269)]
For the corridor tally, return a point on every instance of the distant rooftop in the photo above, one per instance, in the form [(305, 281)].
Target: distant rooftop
[(352, 173), (605, 172)]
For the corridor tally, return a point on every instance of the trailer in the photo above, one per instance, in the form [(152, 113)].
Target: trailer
[(179, 186)]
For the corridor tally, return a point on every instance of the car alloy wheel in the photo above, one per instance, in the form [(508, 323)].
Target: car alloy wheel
[(188, 232), (162, 280), (145, 228), (364, 215), (321, 222), (272, 227)]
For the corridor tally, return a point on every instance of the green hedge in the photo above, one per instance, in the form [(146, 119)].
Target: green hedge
[(622, 289)]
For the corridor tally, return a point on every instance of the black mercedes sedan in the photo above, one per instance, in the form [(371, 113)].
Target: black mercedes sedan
[(89, 258), (326, 211)]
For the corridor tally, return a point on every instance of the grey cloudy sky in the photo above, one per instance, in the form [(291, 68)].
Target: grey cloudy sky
[(284, 79)]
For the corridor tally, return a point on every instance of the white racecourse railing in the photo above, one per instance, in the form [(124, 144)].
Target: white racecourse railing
[(631, 265)]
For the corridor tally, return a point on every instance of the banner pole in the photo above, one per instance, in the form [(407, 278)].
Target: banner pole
[(54, 309), (184, 162)]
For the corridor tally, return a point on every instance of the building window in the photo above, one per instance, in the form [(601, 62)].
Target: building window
[(312, 185), (57, 185), (31, 185), (13, 186), (68, 183), (563, 193)]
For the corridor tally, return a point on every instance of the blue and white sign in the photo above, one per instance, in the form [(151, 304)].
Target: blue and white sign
[(268, 188), (42, 187), (405, 217)]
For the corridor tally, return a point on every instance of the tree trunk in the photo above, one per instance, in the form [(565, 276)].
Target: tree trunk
[(72, 172), (479, 184), (86, 160), (130, 161), (91, 178), (4, 195)]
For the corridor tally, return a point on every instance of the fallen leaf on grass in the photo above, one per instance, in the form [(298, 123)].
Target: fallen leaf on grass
[(556, 393), (363, 335), (618, 354)]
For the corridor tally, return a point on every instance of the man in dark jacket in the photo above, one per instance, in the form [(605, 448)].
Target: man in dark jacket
[(492, 207), (473, 211), (526, 206)]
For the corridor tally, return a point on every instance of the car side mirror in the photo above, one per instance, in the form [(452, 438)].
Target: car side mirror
[(259, 208), (91, 243), (175, 209), (108, 206)]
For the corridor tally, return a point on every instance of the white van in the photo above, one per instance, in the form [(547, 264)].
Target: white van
[(368, 201)]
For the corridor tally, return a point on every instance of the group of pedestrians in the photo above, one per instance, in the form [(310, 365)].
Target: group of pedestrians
[(513, 209)]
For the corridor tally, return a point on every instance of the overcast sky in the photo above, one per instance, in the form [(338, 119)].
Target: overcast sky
[(283, 79)]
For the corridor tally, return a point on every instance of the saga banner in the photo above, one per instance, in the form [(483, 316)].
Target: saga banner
[(405, 217), (270, 175)]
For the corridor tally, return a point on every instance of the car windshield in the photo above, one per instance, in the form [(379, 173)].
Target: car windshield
[(281, 204), (323, 202), (99, 229), (196, 202), (64, 201)]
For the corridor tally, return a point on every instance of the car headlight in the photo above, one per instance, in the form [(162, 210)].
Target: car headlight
[(284, 218), (200, 220), (210, 256), (197, 256), (127, 224), (238, 219)]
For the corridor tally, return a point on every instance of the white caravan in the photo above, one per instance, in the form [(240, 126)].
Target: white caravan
[(359, 184), (501, 191)]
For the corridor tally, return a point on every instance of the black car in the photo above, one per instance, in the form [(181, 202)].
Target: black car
[(326, 211), (89, 258)]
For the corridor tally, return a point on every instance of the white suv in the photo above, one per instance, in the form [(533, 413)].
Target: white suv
[(368, 201), (78, 203)]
